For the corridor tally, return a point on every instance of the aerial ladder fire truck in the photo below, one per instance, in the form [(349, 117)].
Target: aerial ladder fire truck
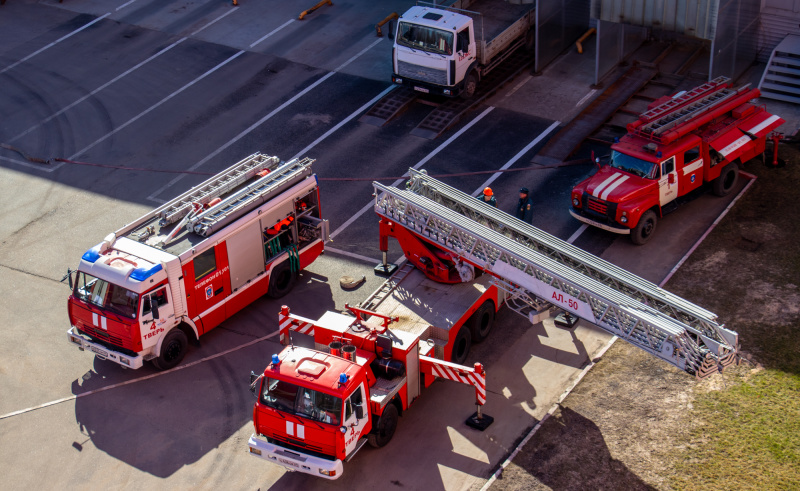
[(182, 269), (318, 405), (679, 143)]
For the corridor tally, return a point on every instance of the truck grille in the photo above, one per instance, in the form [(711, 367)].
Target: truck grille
[(110, 341), (597, 206), (299, 446), (424, 74)]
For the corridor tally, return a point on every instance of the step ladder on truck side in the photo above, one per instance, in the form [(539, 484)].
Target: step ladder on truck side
[(540, 272)]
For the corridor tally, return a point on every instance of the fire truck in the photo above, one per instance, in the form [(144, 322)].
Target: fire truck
[(344, 379), (182, 269), (680, 142)]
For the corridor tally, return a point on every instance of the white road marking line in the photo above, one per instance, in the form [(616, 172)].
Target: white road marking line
[(95, 91), (273, 32), (419, 164), (76, 31), (518, 86), (154, 106), (351, 60), (352, 255), (215, 21), (586, 97), (40, 167), (124, 5), (302, 153), (140, 379), (517, 157), (574, 236)]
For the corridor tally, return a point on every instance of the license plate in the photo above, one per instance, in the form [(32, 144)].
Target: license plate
[(421, 89), (98, 351), (288, 462)]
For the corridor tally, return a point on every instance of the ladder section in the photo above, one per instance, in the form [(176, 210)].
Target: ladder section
[(249, 197), (702, 91), (570, 256), (386, 289), (523, 270), (220, 184)]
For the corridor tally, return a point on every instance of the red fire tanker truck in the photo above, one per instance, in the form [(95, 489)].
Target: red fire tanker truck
[(182, 269), (679, 143)]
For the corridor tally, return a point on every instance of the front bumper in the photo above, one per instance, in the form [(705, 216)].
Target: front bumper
[(604, 226), (426, 87), (294, 461), (102, 352)]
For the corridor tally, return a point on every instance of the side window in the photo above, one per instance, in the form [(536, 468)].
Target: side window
[(691, 155), (160, 295), (667, 166), (204, 263), (352, 402), (463, 40)]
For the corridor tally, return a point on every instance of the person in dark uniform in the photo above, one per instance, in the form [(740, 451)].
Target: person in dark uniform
[(524, 207), (488, 197)]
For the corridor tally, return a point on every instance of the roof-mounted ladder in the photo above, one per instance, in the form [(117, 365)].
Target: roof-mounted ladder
[(249, 197), (220, 184), (528, 272)]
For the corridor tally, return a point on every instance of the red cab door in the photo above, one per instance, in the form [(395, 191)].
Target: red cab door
[(208, 283)]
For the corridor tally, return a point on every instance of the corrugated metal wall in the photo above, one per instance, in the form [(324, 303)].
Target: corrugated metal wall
[(736, 43), (697, 18), (559, 23)]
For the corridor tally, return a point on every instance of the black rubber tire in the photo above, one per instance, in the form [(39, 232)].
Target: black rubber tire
[(482, 321), (645, 229), (173, 349), (470, 86), (724, 184), (461, 345), (281, 280), (384, 431)]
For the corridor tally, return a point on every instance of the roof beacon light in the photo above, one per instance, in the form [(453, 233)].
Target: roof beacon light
[(276, 360), (342, 378)]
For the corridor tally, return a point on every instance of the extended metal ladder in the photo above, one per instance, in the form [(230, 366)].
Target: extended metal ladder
[(541, 271), (386, 289), (248, 197), (220, 184)]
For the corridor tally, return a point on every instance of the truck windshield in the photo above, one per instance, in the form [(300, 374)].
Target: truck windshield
[(106, 295), (425, 38), (291, 398), (637, 167)]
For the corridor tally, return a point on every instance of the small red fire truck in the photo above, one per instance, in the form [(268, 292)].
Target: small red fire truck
[(182, 269), (679, 143)]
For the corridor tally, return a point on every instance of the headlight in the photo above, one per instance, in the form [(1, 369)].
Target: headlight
[(446, 92), (255, 451), (576, 202), (623, 219), (398, 80), (327, 473)]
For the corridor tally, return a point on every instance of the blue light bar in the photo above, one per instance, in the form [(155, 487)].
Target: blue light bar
[(276, 360), (141, 274), (91, 255)]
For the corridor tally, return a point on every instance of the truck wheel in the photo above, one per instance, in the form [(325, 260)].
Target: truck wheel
[(383, 433), (645, 228), (482, 321), (726, 181), (172, 350), (470, 86), (281, 280), (461, 345)]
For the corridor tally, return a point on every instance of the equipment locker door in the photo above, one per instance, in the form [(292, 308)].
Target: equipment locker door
[(211, 285)]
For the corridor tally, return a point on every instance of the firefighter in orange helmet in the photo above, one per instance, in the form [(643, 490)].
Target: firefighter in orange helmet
[(488, 197)]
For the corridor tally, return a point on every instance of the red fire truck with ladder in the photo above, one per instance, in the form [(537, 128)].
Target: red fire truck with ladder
[(317, 405), (679, 143), (182, 269)]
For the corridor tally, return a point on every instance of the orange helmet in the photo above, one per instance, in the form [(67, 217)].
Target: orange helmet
[(487, 192)]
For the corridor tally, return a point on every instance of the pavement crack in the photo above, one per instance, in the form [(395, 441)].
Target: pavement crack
[(18, 270)]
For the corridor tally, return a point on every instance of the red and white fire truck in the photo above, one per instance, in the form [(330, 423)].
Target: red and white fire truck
[(344, 379), (679, 143), (182, 269)]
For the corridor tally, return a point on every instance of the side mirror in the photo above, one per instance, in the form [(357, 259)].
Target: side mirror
[(671, 178), (254, 382), (359, 411), (68, 276), (154, 307), (390, 35)]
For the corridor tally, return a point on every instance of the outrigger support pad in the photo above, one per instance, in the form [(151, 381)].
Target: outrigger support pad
[(479, 421), (385, 268)]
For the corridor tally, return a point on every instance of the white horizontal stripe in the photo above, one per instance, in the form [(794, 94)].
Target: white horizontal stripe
[(605, 183), (738, 143), (755, 129), (612, 187), (693, 167)]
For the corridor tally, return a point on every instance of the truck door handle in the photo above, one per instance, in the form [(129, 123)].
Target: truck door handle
[(217, 292)]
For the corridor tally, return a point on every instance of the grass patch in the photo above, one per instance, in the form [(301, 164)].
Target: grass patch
[(745, 437)]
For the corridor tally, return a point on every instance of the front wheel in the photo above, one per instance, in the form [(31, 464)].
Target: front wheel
[(281, 280), (173, 350), (384, 431), (482, 321), (470, 86), (645, 229), (726, 181), (461, 345)]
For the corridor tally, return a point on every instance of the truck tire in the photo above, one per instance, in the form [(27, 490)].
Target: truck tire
[(173, 350), (482, 321), (645, 229), (470, 85), (724, 184), (281, 280), (384, 430), (461, 345)]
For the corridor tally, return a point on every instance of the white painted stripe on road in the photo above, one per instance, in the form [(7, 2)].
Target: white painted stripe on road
[(351, 255), (419, 164), (351, 60), (124, 5), (95, 91), (155, 106), (215, 21), (574, 236), (273, 32), (76, 31), (517, 156), (140, 379), (586, 97), (605, 183), (302, 153), (610, 189)]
